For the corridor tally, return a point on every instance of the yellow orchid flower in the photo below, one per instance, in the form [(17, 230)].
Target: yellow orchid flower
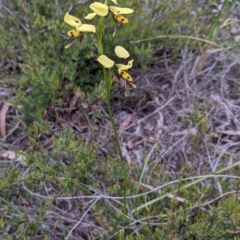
[(122, 68), (79, 28), (102, 10), (117, 11)]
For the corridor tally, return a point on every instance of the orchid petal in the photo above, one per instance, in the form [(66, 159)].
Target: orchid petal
[(125, 75), (73, 33), (99, 8), (90, 16), (121, 52), (120, 18), (122, 67), (118, 10), (105, 61), (87, 28), (72, 21)]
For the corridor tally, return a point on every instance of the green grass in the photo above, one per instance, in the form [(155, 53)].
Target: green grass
[(69, 182)]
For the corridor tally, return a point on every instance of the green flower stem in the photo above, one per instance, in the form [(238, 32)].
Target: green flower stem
[(101, 29), (108, 83)]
